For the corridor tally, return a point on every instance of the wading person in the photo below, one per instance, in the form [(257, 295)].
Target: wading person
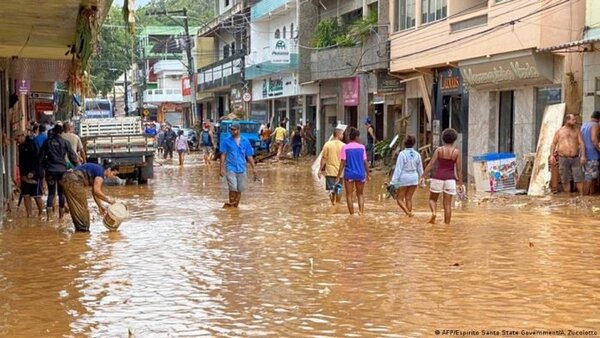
[(74, 141), (371, 140), (236, 151), (207, 139), (589, 134), (53, 155), (279, 134), (30, 171), (75, 183), (169, 142), (330, 164), (448, 161), (568, 149), (355, 170), (405, 179), (297, 142), (182, 146), (265, 135)]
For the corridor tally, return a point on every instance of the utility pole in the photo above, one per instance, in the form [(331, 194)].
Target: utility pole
[(126, 99), (188, 49)]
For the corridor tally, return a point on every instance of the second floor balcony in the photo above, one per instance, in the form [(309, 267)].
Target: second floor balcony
[(222, 73), (163, 95)]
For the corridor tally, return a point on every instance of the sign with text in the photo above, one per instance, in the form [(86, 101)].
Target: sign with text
[(387, 84), (350, 91), (23, 87), (280, 51), (186, 86), (513, 71), (450, 81)]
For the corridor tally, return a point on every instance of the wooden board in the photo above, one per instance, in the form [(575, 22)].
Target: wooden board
[(540, 175)]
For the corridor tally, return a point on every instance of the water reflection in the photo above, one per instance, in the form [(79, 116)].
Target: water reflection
[(287, 264)]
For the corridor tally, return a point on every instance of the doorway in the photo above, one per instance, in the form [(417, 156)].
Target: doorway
[(351, 116), (379, 121), (506, 118)]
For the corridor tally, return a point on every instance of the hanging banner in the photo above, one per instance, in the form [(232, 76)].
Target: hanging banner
[(350, 91)]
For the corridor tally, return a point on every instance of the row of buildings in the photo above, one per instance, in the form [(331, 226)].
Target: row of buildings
[(487, 68)]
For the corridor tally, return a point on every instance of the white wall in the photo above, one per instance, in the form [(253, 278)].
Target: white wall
[(591, 65), (262, 33)]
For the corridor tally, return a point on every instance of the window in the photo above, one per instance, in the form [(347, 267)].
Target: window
[(405, 14), (225, 51), (277, 34), (544, 97), (292, 31), (226, 3), (233, 48), (433, 10), (284, 32), (505, 122)]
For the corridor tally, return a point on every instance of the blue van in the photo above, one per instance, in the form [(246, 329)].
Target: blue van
[(248, 129)]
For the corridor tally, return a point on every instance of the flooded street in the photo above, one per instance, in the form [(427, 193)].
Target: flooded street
[(287, 264)]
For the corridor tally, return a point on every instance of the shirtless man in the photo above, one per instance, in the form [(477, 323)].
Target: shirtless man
[(569, 150)]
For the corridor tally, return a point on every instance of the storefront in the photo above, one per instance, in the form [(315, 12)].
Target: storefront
[(507, 97), (280, 97), (386, 105), (451, 103)]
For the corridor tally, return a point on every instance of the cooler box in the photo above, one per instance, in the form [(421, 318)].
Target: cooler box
[(495, 171)]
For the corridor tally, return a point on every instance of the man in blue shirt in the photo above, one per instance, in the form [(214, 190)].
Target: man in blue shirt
[(41, 137), (235, 151)]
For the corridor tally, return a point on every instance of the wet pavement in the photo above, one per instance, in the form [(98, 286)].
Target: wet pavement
[(287, 264)]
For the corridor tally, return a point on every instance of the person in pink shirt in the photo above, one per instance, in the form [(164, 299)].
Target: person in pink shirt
[(355, 169)]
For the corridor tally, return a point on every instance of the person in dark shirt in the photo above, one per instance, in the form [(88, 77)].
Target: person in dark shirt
[(29, 167), (75, 183), (53, 155)]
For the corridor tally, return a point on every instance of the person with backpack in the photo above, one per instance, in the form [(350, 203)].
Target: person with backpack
[(182, 146), (53, 155), (297, 142), (207, 143)]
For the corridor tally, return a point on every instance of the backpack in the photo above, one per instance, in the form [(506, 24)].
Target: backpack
[(205, 138)]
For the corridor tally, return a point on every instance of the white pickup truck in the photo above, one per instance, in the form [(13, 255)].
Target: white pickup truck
[(122, 140)]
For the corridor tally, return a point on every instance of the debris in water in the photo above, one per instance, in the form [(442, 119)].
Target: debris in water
[(531, 244), (595, 209), (193, 222), (456, 264), (325, 291)]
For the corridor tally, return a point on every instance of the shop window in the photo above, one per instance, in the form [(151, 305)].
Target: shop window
[(433, 10), (505, 122), (405, 14)]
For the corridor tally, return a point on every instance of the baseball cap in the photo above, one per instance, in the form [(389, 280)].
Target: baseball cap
[(234, 125), (367, 120)]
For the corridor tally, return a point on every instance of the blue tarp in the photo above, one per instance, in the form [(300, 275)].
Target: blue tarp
[(493, 157)]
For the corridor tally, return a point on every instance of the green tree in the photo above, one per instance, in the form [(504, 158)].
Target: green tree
[(199, 12), (115, 54)]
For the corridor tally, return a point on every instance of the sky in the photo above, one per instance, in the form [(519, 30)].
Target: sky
[(138, 3)]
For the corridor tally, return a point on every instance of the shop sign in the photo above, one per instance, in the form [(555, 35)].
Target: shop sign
[(23, 87), (274, 87), (387, 84), (350, 91), (44, 106), (186, 86), (515, 71), (280, 51), (236, 95), (450, 81)]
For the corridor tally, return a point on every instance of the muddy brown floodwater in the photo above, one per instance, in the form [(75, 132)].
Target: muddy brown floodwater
[(287, 264)]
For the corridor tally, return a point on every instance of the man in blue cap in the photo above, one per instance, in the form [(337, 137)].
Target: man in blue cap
[(371, 140), (236, 151)]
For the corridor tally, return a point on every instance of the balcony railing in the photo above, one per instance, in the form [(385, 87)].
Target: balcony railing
[(221, 73), (163, 95)]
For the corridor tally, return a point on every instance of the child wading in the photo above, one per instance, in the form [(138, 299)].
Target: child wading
[(449, 170), (355, 168), (406, 175), (182, 146)]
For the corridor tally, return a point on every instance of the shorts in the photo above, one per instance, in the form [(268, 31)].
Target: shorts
[(30, 188), (236, 182), (590, 170), (570, 169), (445, 186), (207, 150), (181, 151), (331, 186)]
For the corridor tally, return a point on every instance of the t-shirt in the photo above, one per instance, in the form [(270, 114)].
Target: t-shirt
[(74, 141), (40, 139), (266, 134), (235, 155), (331, 155), (181, 143), (280, 133), (355, 155), (91, 170)]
